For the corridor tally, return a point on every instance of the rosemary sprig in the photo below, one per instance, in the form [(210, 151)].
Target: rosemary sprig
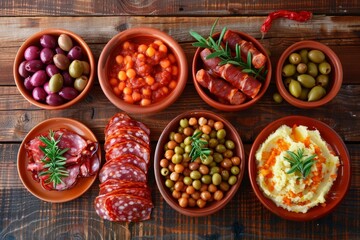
[(224, 53), (53, 159), (198, 147), (297, 162)]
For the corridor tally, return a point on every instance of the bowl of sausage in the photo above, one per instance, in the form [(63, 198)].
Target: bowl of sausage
[(232, 71), (199, 163), (54, 69), (142, 70)]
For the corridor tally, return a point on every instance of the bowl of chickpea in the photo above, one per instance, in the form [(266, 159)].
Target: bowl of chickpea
[(142, 70), (199, 163)]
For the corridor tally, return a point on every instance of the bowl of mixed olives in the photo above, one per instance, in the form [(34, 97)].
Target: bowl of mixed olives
[(199, 163), (54, 69), (309, 74)]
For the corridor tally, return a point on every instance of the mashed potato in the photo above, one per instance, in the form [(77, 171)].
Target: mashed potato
[(291, 190)]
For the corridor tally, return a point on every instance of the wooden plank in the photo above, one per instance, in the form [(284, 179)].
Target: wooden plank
[(15, 123), (172, 7), (321, 28), (243, 217)]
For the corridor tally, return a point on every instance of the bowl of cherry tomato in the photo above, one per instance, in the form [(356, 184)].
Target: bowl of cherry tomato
[(142, 70), (199, 163), (54, 69)]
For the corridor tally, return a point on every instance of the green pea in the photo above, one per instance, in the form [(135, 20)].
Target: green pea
[(206, 179), (179, 150), (221, 133), (229, 144), (288, 70), (235, 170), (176, 158), (184, 122), (277, 97), (218, 157), (216, 179), (169, 183), (232, 180), (207, 160), (196, 184), (195, 174), (214, 170), (165, 171), (188, 181)]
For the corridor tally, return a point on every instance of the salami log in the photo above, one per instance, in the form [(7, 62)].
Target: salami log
[(220, 88), (257, 58), (122, 171)]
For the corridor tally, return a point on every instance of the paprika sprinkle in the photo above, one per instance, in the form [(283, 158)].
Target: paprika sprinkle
[(301, 16)]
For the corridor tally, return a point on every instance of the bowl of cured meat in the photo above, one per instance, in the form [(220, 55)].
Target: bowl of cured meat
[(58, 160), (142, 70), (232, 72), (199, 169), (54, 69), (299, 168)]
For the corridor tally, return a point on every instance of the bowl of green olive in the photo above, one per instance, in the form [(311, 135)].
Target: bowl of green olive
[(309, 74), (199, 163)]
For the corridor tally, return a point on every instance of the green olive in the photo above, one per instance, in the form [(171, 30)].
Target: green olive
[(214, 170), (176, 158), (186, 157), (225, 174), (207, 160), (182, 145), (304, 56), (180, 130), (206, 179), (187, 181), (61, 61), (301, 68), (235, 170), (322, 80), (195, 174), (56, 82), (80, 83), (187, 140), (179, 150), (169, 183), (228, 153), (221, 133), (184, 122), (277, 97), (220, 148), (165, 171), (86, 67), (206, 137), (295, 88), (188, 148), (232, 180), (65, 42), (76, 69), (312, 69), (288, 70), (213, 134), (306, 80), (294, 58), (316, 56), (304, 94), (218, 157), (287, 81), (324, 68), (216, 179), (229, 144), (196, 184), (316, 93), (171, 136), (213, 142)]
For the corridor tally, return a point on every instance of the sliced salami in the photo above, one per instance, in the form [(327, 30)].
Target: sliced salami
[(140, 192), (122, 137), (101, 209), (122, 171), (131, 158), (135, 131), (128, 123), (116, 118), (122, 184), (129, 147)]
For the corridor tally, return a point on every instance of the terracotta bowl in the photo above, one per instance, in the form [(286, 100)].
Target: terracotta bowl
[(335, 77), (35, 40), (337, 191), (211, 207), (138, 36), (34, 187), (213, 101)]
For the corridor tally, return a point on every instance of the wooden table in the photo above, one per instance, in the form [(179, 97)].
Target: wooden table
[(23, 216)]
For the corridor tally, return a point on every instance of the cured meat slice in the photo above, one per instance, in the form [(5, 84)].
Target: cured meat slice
[(121, 171), (74, 142), (220, 88), (91, 166), (129, 208), (116, 118), (122, 137), (140, 192), (127, 123), (129, 147), (257, 58), (131, 158), (242, 81), (33, 150), (101, 209), (135, 131), (116, 184)]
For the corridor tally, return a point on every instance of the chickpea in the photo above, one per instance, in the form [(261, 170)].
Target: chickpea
[(184, 194), (206, 129), (188, 131), (202, 121), (204, 187), (179, 168), (211, 123), (196, 195), (178, 137), (203, 169), (171, 167), (226, 163), (224, 186)]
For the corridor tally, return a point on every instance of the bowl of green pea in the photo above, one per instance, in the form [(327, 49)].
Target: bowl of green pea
[(199, 163)]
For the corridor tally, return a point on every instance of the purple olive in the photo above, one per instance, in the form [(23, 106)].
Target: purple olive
[(59, 50), (46, 88), (68, 93), (39, 94), (51, 69), (31, 53), (22, 71), (38, 78), (54, 99), (61, 61), (27, 83), (46, 55), (34, 65), (75, 53), (48, 41), (68, 80)]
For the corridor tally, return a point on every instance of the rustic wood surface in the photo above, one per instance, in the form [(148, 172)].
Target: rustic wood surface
[(23, 216)]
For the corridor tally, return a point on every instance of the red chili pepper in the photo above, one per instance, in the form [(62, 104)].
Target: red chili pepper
[(301, 16)]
